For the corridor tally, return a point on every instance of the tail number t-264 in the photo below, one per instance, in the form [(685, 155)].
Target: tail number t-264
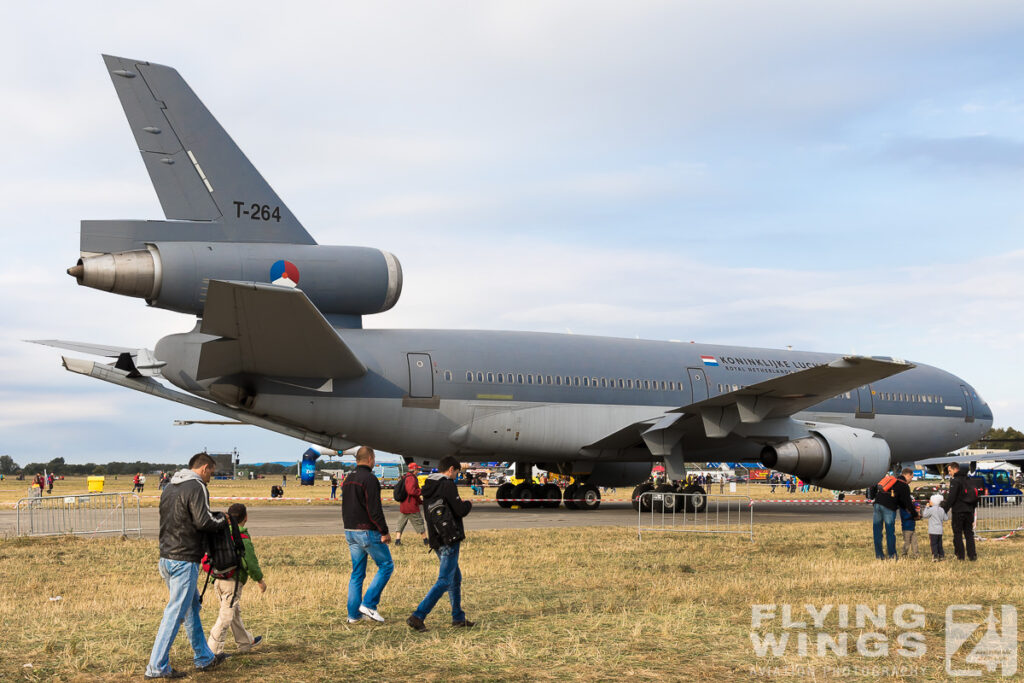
[(258, 212)]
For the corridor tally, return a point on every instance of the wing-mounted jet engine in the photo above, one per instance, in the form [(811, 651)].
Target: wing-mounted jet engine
[(840, 458)]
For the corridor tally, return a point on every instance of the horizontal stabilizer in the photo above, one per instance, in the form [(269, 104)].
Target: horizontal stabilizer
[(270, 330), (82, 347)]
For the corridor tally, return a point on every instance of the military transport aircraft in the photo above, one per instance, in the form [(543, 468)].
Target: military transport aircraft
[(278, 343)]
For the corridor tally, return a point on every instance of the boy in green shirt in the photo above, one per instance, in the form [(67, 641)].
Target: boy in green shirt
[(230, 615)]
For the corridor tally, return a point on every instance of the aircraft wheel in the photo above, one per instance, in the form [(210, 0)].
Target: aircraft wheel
[(669, 503), (504, 492), (642, 488), (698, 501), (553, 495), (569, 498), (521, 492), (590, 497)]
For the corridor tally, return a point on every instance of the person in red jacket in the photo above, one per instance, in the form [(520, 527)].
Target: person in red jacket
[(411, 509)]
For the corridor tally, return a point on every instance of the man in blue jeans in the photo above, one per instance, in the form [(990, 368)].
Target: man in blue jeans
[(184, 515), (887, 504), (441, 487), (366, 531)]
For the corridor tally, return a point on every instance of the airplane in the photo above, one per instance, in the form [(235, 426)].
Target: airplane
[(278, 342)]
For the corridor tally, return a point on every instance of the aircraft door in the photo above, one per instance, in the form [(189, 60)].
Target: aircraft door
[(865, 402), (421, 376), (968, 404), (698, 384)]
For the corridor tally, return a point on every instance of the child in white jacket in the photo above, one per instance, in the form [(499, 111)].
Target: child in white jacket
[(935, 516)]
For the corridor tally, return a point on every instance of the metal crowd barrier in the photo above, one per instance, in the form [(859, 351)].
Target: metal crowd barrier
[(999, 514), (678, 512), (84, 514)]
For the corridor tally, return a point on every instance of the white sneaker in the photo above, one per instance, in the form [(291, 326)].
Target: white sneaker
[(372, 613), (355, 621)]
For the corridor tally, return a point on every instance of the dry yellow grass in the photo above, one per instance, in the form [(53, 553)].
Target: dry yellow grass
[(591, 603)]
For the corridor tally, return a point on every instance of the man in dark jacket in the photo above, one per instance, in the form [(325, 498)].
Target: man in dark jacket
[(440, 488), (887, 503), (184, 516), (366, 531), (960, 502)]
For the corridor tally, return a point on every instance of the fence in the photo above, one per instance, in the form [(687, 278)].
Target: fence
[(699, 513), (93, 513), (999, 514)]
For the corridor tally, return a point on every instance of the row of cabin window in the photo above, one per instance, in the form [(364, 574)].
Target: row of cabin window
[(567, 381), (909, 398)]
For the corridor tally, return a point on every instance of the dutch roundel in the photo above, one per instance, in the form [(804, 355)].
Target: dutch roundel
[(284, 273)]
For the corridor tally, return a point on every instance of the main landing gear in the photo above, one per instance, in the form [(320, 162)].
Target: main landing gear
[(580, 496), (696, 499)]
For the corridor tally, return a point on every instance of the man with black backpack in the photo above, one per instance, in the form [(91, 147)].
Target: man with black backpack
[(445, 510), (961, 501), (184, 517)]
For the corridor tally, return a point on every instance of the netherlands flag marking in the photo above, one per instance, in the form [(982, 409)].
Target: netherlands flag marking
[(709, 360)]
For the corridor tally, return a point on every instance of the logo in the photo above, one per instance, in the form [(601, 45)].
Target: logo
[(709, 360), (284, 273), (981, 641)]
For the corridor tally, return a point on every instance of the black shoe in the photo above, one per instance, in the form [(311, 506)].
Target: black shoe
[(398, 541), (426, 541), (217, 659), (465, 623), (416, 624), (173, 674)]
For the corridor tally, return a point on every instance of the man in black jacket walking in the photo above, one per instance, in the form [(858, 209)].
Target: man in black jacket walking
[(440, 489), (367, 533), (960, 502), (184, 516), (887, 504)]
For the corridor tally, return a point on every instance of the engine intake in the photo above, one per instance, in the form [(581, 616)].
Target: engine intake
[(838, 458)]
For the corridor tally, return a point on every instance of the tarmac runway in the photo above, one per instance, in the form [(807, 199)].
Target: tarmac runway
[(308, 520)]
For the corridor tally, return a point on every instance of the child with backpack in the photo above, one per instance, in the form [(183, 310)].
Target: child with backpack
[(935, 516), (228, 588)]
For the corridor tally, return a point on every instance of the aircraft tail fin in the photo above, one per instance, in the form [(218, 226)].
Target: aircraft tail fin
[(198, 171)]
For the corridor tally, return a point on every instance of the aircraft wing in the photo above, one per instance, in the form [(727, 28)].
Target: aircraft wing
[(788, 394), (1006, 456), (270, 330), (779, 397)]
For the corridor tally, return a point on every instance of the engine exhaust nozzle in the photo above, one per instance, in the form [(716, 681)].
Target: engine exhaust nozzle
[(131, 273)]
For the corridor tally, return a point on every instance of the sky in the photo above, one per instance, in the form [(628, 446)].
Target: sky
[(827, 176)]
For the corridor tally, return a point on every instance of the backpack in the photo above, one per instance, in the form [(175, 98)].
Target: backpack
[(400, 492), (888, 481), (970, 493), (225, 553), (442, 521)]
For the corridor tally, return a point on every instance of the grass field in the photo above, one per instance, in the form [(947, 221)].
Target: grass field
[(11, 490), (591, 603)]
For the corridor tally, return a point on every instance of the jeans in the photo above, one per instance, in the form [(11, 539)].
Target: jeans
[(182, 607), (887, 517), (361, 544), (449, 578)]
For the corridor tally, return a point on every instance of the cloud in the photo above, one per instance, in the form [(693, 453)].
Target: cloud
[(965, 152)]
